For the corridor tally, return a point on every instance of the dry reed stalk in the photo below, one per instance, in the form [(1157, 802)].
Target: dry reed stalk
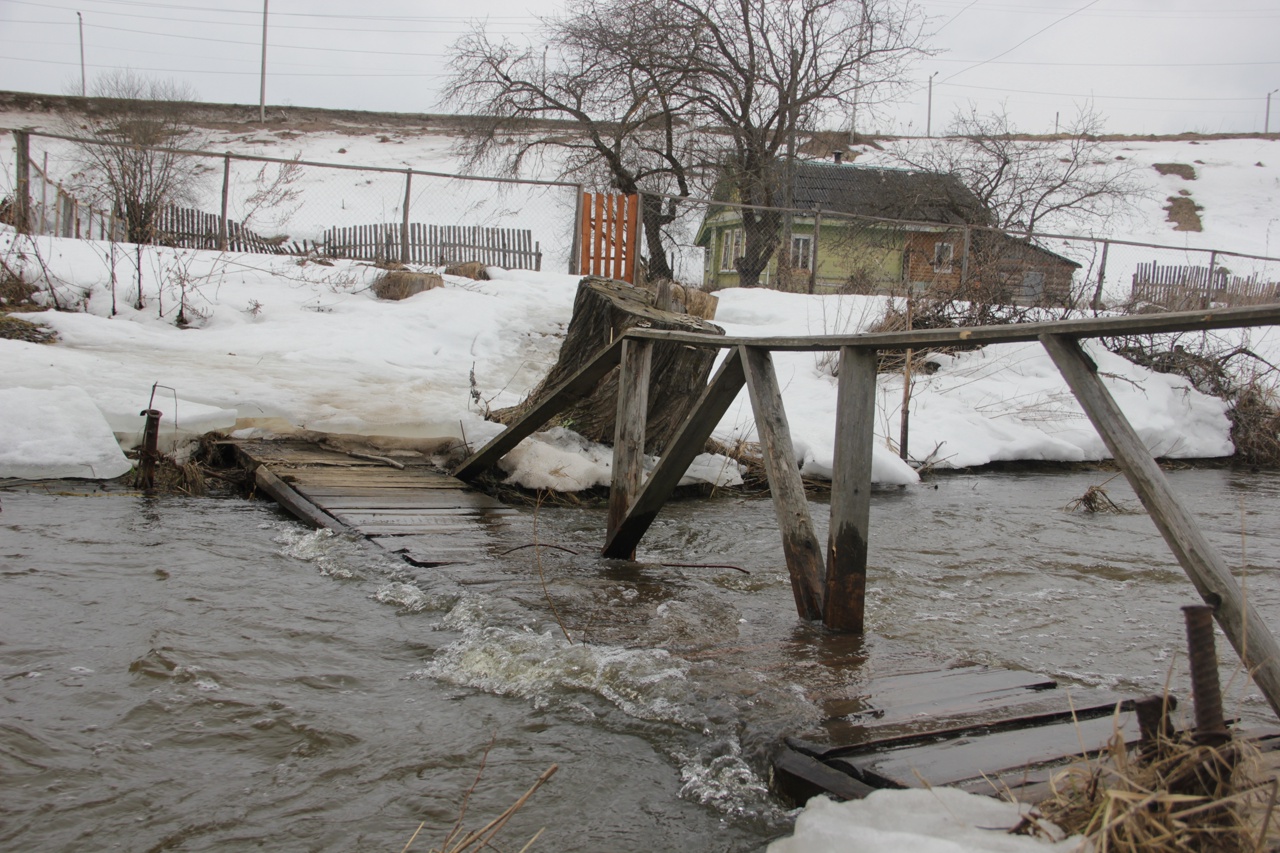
[(1186, 797), (458, 842)]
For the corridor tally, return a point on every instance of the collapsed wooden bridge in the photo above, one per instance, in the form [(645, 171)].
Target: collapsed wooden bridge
[(829, 583)]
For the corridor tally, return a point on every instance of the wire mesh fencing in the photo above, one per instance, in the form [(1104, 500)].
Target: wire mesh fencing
[(244, 203)]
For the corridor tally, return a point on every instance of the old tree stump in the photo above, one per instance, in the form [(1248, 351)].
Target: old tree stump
[(602, 312)]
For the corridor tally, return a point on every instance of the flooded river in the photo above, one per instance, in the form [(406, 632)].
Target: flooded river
[(205, 674)]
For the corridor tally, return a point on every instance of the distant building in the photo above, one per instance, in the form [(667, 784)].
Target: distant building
[(880, 230)]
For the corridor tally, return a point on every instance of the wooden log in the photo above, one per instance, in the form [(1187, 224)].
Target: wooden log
[(846, 583), (685, 444), (571, 390), (628, 441), (603, 311), (1244, 628), (799, 541)]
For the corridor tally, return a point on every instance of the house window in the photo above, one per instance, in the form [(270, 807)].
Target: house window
[(801, 252), (731, 248), (942, 255), (1032, 287)]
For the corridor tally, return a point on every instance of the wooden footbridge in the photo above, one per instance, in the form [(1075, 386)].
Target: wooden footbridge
[(829, 579)]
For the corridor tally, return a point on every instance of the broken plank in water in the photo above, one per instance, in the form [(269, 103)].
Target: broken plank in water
[(973, 755)]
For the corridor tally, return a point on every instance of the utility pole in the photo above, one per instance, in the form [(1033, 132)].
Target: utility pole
[(262, 94), (83, 85), (928, 122), (1266, 124)]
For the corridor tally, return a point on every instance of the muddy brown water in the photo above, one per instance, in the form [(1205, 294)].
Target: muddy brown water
[(205, 674)]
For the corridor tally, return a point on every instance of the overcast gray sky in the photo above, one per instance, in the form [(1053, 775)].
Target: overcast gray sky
[(1148, 66)]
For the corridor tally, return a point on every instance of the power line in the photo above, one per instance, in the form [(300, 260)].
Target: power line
[(1021, 43)]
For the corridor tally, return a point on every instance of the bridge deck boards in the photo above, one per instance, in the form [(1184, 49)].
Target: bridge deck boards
[(425, 516)]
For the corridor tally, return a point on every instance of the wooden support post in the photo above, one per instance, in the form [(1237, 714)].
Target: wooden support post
[(687, 442), (799, 541), (1244, 628), (569, 392), (846, 586), (628, 432), (404, 219), (226, 193), (22, 183)]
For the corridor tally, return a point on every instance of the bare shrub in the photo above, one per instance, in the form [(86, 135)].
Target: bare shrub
[(134, 163)]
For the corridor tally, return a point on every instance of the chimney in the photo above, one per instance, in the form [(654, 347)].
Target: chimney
[(838, 156)]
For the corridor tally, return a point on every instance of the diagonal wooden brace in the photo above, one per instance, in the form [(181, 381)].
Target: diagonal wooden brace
[(799, 541), (1240, 622)]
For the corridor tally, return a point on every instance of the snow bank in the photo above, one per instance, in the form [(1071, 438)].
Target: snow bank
[(56, 432), (939, 820), (275, 344)]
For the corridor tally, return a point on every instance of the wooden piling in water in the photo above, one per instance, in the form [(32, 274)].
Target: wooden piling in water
[(844, 601), (628, 440), (799, 541)]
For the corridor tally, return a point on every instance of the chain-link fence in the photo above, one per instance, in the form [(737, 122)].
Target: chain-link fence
[(84, 188)]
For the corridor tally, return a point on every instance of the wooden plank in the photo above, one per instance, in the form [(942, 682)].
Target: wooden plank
[(799, 541), (1245, 629), (797, 778), (687, 442), (959, 759), (435, 500), (844, 601), (584, 234), (628, 433), (1092, 327), (570, 391), (293, 502), (948, 693)]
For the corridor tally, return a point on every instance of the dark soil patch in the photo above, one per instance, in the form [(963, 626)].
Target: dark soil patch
[(1182, 170), (13, 329), (1184, 213)]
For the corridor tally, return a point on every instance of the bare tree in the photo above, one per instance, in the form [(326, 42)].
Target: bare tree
[(665, 94), (628, 130), (134, 163), (1069, 181)]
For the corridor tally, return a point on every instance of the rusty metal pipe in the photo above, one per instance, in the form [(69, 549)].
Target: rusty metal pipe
[(1206, 690), (150, 449)]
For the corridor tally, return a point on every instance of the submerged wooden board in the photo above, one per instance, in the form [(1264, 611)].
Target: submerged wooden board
[(960, 726), (425, 516)]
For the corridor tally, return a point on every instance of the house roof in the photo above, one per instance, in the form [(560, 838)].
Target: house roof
[(886, 193)]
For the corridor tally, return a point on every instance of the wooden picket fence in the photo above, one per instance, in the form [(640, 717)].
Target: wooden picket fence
[(609, 224), (1183, 288), (188, 228), (510, 248)]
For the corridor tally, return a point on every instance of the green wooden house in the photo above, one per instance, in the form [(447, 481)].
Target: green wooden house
[(875, 230)]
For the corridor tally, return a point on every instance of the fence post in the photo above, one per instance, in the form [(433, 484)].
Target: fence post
[(576, 249), (226, 192), (1208, 282), (22, 195), (404, 220), (1102, 275), (964, 260), (813, 251)]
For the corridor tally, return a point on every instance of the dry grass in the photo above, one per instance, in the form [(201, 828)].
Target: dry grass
[(1095, 499), (1180, 796), (1255, 426)]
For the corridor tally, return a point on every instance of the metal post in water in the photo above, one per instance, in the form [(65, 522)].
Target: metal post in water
[(150, 449), (1206, 690)]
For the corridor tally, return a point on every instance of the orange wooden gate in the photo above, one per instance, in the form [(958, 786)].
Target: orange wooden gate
[(609, 227)]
